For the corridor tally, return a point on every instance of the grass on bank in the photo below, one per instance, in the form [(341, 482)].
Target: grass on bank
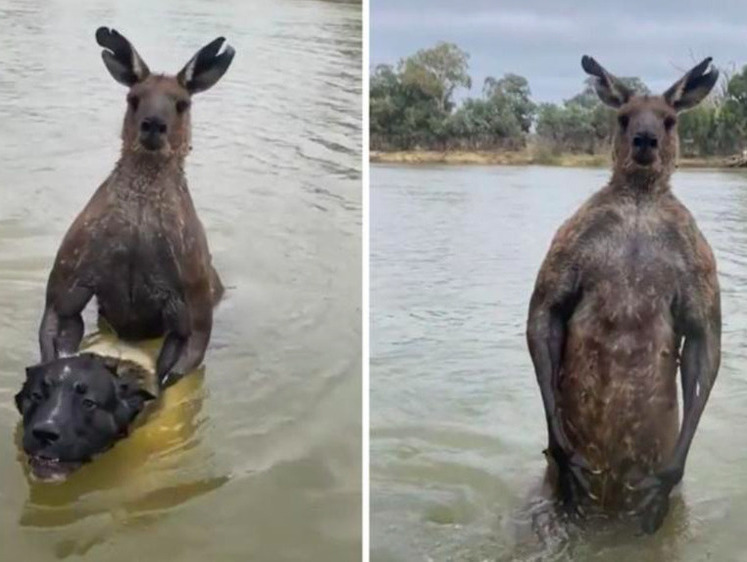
[(529, 156)]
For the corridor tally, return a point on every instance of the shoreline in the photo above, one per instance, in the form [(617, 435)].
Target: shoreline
[(522, 158)]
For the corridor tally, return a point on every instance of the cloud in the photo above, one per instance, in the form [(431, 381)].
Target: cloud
[(514, 23), (544, 40)]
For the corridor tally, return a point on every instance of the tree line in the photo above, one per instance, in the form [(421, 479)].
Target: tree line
[(413, 106)]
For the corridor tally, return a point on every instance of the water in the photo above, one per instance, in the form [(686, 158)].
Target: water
[(257, 458), (457, 425)]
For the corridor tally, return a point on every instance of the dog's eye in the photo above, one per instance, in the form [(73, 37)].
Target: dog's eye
[(133, 102), (181, 106), (89, 404)]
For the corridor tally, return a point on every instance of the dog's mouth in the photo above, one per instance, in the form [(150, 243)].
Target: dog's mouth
[(46, 469)]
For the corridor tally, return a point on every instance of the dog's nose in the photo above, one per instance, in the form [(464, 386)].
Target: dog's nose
[(645, 140), (45, 433), (153, 125)]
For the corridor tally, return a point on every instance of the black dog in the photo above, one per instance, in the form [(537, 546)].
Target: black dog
[(77, 407)]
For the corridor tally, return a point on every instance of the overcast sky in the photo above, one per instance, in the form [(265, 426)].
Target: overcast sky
[(543, 40)]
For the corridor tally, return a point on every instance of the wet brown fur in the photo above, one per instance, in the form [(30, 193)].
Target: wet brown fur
[(637, 256), (626, 279), (138, 246)]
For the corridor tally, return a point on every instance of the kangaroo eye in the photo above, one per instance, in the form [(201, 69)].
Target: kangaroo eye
[(669, 122), (623, 120), (181, 106), (37, 396), (89, 404), (133, 102)]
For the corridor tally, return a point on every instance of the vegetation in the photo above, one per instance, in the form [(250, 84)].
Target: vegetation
[(413, 107)]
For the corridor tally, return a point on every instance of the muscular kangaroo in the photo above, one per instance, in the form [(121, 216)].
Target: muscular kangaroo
[(138, 245), (627, 293)]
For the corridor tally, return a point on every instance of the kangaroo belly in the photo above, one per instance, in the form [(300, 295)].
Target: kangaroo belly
[(136, 292), (618, 395), (131, 315)]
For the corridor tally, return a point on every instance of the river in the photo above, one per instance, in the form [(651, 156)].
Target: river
[(257, 457), (457, 426)]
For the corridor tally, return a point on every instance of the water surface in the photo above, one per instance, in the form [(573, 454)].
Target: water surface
[(457, 425), (258, 456)]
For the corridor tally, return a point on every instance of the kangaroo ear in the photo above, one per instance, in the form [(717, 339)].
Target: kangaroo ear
[(693, 87), (207, 66), (609, 89), (121, 58)]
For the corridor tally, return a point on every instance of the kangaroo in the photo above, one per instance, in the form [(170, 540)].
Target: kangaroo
[(138, 245), (628, 292)]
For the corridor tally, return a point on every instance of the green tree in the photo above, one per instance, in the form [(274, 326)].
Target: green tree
[(698, 131), (481, 124), (731, 123), (512, 93), (412, 105), (437, 72), (402, 115)]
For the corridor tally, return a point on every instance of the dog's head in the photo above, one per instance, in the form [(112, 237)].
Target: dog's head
[(76, 407)]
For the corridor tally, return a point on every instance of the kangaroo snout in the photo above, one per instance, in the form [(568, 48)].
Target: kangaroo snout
[(153, 125), (153, 132), (645, 140), (645, 145)]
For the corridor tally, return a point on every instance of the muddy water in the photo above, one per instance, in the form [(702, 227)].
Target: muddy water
[(257, 457), (457, 421)]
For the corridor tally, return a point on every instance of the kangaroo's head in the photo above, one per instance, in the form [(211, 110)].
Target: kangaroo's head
[(646, 142), (157, 120)]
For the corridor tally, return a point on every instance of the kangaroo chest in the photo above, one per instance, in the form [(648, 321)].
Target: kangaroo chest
[(136, 259), (633, 270)]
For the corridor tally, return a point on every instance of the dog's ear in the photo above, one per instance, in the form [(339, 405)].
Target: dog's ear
[(23, 397), (132, 394), (111, 363)]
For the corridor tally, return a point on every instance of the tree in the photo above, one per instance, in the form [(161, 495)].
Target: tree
[(698, 130), (437, 72), (402, 116), (412, 105), (481, 124), (386, 107), (732, 115), (512, 91)]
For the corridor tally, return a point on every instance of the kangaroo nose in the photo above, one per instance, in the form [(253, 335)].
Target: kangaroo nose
[(46, 433), (153, 125), (644, 140)]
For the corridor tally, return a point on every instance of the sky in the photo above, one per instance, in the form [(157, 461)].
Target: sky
[(543, 40)]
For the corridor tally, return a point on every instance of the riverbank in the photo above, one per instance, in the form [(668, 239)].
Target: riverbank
[(522, 158)]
